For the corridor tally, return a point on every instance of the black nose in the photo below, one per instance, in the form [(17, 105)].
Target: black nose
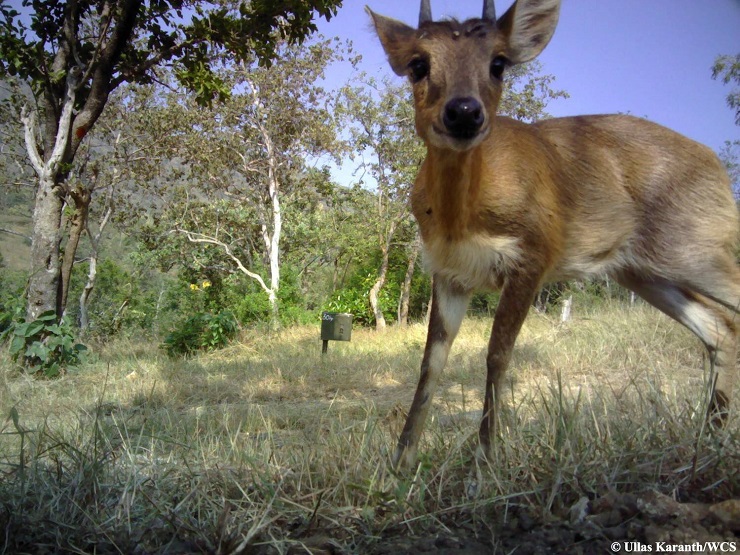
[(463, 117)]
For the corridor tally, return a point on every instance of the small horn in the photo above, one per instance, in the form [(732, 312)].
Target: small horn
[(489, 10), (425, 13)]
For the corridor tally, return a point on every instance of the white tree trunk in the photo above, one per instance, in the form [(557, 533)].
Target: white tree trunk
[(566, 308), (272, 241), (374, 295), (44, 284)]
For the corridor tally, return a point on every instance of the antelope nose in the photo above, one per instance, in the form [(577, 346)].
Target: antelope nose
[(463, 117)]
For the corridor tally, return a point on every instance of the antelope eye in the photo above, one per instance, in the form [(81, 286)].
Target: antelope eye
[(498, 65), (418, 69)]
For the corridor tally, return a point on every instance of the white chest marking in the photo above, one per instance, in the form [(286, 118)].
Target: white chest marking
[(477, 262)]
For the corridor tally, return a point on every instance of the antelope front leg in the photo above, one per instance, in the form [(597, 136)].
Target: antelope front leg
[(449, 304), (516, 298)]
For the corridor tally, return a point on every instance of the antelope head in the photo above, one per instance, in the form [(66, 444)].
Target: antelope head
[(457, 69)]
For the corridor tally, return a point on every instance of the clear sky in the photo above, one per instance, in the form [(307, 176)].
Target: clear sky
[(650, 58)]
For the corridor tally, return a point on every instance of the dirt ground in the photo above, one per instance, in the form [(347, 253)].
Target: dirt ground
[(615, 523)]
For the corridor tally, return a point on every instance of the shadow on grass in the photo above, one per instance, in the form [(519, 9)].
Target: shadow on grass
[(269, 442)]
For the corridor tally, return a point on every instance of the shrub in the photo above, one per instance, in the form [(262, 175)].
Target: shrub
[(201, 332), (354, 299), (43, 345)]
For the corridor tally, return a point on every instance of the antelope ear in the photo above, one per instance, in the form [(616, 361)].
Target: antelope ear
[(397, 39), (528, 26)]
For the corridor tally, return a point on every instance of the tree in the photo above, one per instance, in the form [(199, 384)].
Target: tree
[(727, 68), (381, 120), (527, 91), (730, 156), (244, 155), (74, 54), (404, 299)]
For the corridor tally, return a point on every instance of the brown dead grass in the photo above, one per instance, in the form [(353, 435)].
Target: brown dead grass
[(267, 443)]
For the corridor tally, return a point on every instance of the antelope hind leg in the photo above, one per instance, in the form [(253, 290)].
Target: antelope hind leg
[(714, 325)]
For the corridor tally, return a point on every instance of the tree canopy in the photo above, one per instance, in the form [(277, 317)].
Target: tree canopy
[(67, 56)]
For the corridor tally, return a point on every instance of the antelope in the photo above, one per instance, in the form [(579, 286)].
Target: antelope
[(510, 206)]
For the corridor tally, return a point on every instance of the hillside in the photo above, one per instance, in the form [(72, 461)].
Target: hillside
[(15, 250)]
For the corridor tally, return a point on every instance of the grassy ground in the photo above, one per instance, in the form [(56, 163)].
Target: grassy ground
[(268, 446)]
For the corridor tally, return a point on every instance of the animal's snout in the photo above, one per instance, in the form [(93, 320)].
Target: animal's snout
[(463, 117)]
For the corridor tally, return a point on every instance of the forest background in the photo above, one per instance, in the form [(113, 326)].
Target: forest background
[(203, 196)]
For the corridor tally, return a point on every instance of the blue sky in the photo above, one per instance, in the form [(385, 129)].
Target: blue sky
[(650, 58)]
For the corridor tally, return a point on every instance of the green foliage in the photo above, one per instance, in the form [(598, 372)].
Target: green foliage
[(84, 51), (11, 296), (44, 345), (484, 304), (251, 305), (201, 332), (126, 299), (730, 156), (169, 36), (271, 16), (527, 91), (727, 68), (291, 298), (354, 299)]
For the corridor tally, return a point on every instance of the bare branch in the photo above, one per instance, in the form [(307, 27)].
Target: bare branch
[(195, 237), (60, 144), (11, 232), (28, 117)]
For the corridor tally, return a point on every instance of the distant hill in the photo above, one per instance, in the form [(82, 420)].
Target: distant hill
[(16, 249)]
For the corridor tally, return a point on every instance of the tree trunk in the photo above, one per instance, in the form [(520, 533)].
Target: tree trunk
[(272, 241), (431, 297), (274, 245), (403, 302), (82, 197), (92, 273), (375, 293), (44, 284), (272, 232)]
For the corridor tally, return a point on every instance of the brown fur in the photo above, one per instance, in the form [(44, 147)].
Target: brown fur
[(519, 205)]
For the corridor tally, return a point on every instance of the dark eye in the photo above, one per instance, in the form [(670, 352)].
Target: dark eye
[(498, 65), (418, 69)]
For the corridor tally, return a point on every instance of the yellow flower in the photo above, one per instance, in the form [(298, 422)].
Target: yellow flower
[(194, 287), (206, 284)]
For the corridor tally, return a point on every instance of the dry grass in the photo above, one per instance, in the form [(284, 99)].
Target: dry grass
[(268, 447)]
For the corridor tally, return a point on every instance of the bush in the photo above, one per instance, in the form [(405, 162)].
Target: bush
[(12, 299), (201, 332), (354, 299), (43, 345)]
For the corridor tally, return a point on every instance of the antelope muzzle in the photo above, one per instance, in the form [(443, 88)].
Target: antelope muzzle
[(463, 118)]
